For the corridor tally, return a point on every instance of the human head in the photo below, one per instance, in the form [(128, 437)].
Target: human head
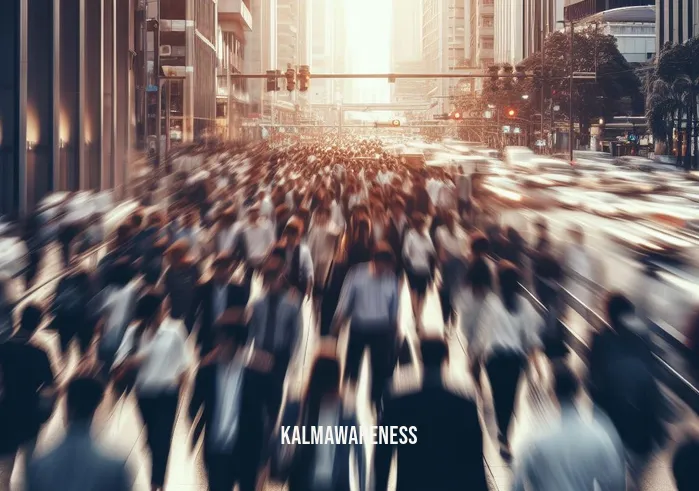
[(149, 307), (293, 231), (31, 318), (565, 383), (434, 353), (480, 245), (274, 278), (83, 397), (383, 258), (479, 277), (254, 214)]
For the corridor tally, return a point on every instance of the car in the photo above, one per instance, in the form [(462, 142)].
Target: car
[(518, 157)]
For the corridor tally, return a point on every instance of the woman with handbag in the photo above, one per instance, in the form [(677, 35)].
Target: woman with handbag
[(154, 359)]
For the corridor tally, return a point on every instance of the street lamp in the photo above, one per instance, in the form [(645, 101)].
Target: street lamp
[(525, 97), (601, 121)]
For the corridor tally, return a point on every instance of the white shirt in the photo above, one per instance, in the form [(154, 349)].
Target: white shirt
[(336, 215), (225, 239), (164, 352), (500, 329), (229, 383), (321, 243), (417, 251), (325, 453), (258, 239), (455, 245), (117, 310)]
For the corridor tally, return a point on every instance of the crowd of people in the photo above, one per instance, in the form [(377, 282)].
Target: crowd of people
[(343, 225)]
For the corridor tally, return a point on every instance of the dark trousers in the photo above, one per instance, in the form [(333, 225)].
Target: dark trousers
[(225, 470), (504, 369), (158, 412), (66, 236), (276, 384), (448, 311), (382, 352), (32, 267), (69, 329)]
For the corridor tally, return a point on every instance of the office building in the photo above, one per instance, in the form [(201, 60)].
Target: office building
[(232, 100), (541, 18), (406, 50), (676, 21), (261, 54), (633, 27), (67, 105), (509, 30)]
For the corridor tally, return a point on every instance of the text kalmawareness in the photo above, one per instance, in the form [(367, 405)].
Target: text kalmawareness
[(344, 435)]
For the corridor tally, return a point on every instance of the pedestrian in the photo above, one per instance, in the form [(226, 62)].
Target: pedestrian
[(276, 329), (323, 238), (77, 463), (622, 385), (28, 393), (507, 337), (577, 454), (328, 466), (71, 319), (180, 281), (214, 297), (419, 257), (299, 270), (227, 394), (447, 449), (369, 301), (154, 355), (452, 245)]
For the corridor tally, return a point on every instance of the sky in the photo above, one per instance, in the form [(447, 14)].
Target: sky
[(368, 24)]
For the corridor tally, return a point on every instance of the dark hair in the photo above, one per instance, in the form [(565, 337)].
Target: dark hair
[(434, 352), (565, 383), (480, 245), (233, 331), (509, 279), (617, 307), (684, 464), (83, 397), (31, 318), (479, 277)]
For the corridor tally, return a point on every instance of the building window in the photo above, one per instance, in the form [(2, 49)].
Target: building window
[(487, 21), (221, 109), (487, 43)]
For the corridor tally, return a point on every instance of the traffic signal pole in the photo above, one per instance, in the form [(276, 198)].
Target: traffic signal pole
[(388, 76)]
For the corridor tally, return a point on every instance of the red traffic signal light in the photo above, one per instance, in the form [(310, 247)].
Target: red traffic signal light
[(512, 113), (290, 79), (395, 122), (304, 77)]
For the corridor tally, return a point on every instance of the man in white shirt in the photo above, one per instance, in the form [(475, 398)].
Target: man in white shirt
[(580, 267), (550, 462), (226, 391), (257, 238)]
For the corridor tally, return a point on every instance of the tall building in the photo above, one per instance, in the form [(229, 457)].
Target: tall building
[(323, 51), (234, 24), (541, 17), (406, 50), (633, 27), (67, 102), (676, 21), (509, 31), (261, 54)]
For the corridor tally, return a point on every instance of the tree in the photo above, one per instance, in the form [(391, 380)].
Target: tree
[(615, 91), (672, 95)]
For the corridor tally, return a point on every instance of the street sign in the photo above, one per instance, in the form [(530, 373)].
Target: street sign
[(152, 88), (505, 129), (488, 114), (541, 143), (518, 131)]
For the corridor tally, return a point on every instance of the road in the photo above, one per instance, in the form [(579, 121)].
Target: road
[(119, 428)]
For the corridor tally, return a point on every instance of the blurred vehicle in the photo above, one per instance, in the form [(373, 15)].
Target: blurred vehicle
[(650, 242), (567, 197), (518, 157), (487, 152), (634, 162), (508, 193), (413, 160)]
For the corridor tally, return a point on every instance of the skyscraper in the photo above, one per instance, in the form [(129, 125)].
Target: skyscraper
[(676, 21), (406, 50)]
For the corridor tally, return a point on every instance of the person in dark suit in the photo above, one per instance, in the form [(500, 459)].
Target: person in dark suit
[(395, 233), (276, 329), (27, 384), (213, 297), (77, 463), (448, 451), (230, 395)]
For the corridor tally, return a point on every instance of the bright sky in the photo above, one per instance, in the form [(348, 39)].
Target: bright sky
[(368, 24)]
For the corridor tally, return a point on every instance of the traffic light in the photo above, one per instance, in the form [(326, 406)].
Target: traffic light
[(511, 113), (395, 123), (272, 81), (507, 81), (519, 73), (290, 78), (494, 71), (455, 115), (304, 77)]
